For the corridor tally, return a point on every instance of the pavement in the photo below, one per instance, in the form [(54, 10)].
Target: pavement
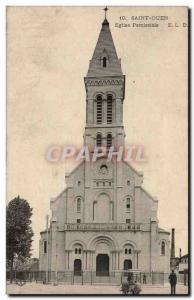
[(39, 288)]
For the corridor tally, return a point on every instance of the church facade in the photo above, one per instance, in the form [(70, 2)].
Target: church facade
[(104, 220)]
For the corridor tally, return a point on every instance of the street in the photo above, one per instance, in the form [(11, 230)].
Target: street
[(39, 288)]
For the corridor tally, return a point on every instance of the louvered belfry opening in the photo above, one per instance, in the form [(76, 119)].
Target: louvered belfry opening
[(99, 109), (109, 140), (109, 109), (99, 140)]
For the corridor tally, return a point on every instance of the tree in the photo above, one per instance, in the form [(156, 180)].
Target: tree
[(18, 231)]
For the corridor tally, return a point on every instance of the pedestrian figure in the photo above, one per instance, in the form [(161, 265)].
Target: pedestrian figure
[(136, 289), (144, 278), (125, 286), (130, 277), (173, 281)]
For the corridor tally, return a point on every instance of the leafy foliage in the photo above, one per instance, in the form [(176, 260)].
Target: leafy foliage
[(18, 230)]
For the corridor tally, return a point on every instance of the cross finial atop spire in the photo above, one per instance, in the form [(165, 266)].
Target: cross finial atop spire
[(105, 10), (105, 19)]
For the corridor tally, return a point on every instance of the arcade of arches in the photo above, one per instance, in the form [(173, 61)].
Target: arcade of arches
[(102, 257)]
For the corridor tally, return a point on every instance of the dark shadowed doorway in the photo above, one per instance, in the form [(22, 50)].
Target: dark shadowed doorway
[(77, 267), (127, 264), (102, 265)]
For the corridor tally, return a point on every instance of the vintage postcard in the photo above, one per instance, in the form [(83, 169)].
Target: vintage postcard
[(97, 150)]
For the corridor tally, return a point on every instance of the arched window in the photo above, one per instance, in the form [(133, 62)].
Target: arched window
[(75, 250), (99, 110), (99, 140), (104, 62), (109, 109), (163, 248), (128, 250), (109, 140), (80, 250), (128, 203), (78, 205)]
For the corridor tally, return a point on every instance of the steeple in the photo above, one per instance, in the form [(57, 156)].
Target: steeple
[(104, 61), (105, 93)]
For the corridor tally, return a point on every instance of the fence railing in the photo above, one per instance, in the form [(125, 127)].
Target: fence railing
[(91, 278), (102, 226)]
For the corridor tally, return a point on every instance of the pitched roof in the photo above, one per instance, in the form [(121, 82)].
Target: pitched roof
[(104, 48), (184, 256), (163, 230)]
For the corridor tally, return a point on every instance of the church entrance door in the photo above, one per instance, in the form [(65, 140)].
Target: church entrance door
[(77, 267), (127, 264), (102, 265)]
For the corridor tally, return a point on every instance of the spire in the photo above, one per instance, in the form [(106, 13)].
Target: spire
[(104, 61)]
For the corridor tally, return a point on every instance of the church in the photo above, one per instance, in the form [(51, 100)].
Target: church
[(104, 221)]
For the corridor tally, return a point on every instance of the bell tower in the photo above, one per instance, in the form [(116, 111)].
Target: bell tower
[(105, 92)]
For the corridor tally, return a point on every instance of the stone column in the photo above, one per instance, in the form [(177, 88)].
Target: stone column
[(70, 260), (85, 260), (93, 261), (89, 257), (119, 113), (117, 260), (153, 245), (137, 258), (94, 111), (90, 111), (114, 111), (52, 247), (67, 259), (112, 260)]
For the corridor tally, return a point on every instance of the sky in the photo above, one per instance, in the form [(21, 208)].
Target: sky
[(48, 53)]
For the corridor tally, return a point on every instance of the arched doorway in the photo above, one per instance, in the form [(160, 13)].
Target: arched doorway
[(127, 264), (102, 265), (77, 267)]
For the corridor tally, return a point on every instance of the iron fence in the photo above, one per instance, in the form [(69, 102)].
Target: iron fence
[(91, 278)]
